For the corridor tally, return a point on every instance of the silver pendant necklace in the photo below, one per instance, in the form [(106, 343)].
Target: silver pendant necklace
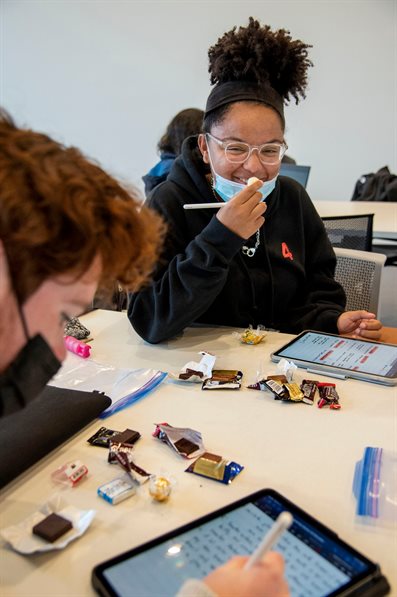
[(248, 251)]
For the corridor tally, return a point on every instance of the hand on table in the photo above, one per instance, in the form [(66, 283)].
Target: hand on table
[(243, 214), (262, 580), (360, 324)]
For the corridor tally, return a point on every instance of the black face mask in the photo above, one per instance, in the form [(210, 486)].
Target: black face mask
[(27, 375)]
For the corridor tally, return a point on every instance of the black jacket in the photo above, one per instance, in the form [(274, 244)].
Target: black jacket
[(204, 277)]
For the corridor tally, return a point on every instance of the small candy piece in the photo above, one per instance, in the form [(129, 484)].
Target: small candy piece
[(129, 436), (223, 379), (77, 346), (251, 336), (101, 437), (279, 391), (215, 467), (328, 396), (160, 487), (187, 442), (52, 527), (70, 473), (309, 389), (117, 490), (295, 393), (75, 328), (252, 180)]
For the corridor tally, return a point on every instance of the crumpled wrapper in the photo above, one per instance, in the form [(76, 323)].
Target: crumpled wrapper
[(194, 372), (22, 540), (187, 442), (287, 368)]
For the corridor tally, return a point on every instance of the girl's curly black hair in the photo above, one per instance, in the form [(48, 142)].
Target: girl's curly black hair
[(256, 53)]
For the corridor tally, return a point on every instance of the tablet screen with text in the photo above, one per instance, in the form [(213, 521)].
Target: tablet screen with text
[(318, 563), (349, 354)]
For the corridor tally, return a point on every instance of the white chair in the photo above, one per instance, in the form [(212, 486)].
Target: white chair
[(359, 272)]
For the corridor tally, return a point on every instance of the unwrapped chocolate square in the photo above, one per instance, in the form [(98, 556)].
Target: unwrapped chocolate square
[(52, 527)]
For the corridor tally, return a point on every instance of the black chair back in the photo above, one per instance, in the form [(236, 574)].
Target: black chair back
[(350, 232)]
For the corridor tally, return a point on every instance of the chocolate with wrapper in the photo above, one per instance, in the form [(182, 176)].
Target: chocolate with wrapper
[(223, 379), (196, 372), (52, 527), (213, 466), (309, 389), (122, 454), (185, 441), (103, 435), (251, 335), (328, 396)]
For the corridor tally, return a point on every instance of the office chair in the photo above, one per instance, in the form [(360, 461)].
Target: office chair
[(350, 232), (359, 272)]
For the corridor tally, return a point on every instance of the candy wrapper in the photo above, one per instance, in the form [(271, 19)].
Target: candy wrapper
[(103, 435), (287, 368), (309, 389), (160, 487), (22, 539), (187, 442), (117, 490), (196, 372), (328, 396), (70, 474), (122, 455), (223, 379), (75, 328), (250, 335), (215, 467)]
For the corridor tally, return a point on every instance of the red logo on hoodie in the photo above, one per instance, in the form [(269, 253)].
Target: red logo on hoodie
[(286, 252)]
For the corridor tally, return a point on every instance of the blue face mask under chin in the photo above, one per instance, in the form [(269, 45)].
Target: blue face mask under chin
[(227, 189)]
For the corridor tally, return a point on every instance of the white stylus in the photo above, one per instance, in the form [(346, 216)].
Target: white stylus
[(203, 205), (281, 524)]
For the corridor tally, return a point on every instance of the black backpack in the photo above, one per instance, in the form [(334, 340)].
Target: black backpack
[(378, 186)]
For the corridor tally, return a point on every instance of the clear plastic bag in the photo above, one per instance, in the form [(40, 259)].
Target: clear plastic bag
[(123, 386), (375, 487)]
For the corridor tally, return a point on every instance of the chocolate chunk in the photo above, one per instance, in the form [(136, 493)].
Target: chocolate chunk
[(52, 527)]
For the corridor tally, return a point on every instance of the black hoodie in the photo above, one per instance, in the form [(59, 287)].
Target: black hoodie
[(204, 277)]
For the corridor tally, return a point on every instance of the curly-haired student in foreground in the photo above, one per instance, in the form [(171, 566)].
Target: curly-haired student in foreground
[(263, 257), (65, 226)]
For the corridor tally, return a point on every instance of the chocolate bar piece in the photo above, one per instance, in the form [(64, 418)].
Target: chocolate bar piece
[(129, 436), (52, 527)]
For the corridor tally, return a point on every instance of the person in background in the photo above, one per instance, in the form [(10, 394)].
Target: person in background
[(65, 227), (264, 256), (184, 124)]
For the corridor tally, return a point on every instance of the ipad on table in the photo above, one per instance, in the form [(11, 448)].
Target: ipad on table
[(318, 562), (341, 357)]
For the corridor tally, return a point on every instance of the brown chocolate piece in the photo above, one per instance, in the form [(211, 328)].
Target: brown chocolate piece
[(52, 527), (185, 446), (129, 436)]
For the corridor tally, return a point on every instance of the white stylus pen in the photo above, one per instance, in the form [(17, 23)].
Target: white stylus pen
[(203, 205), (281, 524)]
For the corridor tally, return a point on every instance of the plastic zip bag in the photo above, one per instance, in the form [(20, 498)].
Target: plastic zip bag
[(123, 386), (375, 486)]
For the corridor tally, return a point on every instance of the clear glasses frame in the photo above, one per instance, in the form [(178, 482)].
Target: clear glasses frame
[(238, 152)]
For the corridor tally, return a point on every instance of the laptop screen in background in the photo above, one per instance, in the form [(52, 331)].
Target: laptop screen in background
[(298, 173)]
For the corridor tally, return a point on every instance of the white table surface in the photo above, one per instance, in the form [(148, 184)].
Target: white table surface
[(303, 452), (385, 220)]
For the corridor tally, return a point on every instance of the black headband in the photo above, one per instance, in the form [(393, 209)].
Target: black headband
[(240, 91)]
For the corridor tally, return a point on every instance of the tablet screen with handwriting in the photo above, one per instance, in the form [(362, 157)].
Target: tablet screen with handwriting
[(317, 561)]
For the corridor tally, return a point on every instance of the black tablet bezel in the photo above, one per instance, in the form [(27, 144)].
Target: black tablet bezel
[(324, 369), (103, 587)]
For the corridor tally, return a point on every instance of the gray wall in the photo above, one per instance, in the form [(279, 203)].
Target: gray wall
[(107, 76)]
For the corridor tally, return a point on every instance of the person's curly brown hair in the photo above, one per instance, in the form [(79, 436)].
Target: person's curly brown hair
[(58, 211), (256, 53)]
